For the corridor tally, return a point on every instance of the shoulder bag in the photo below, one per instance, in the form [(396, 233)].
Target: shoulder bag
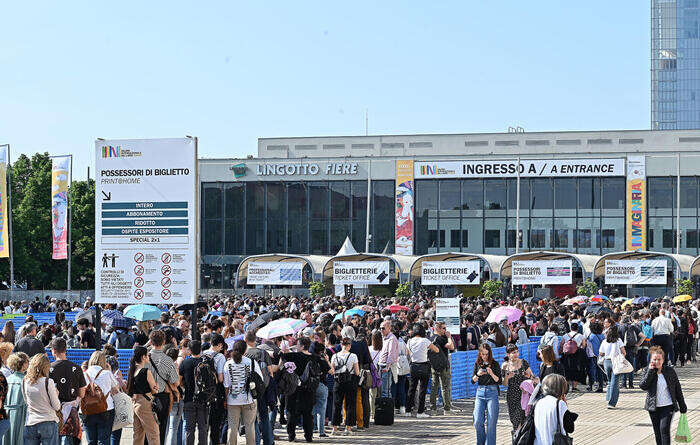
[(170, 388), (620, 365), (559, 438)]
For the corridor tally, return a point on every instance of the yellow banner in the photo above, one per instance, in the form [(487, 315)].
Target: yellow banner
[(4, 242), (636, 236)]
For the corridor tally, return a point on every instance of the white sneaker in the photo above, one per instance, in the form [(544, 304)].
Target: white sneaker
[(422, 415), (402, 410)]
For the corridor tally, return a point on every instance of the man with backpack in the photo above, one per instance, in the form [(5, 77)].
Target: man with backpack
[(632, 338), (301, 402), (164, 371), (217, 407), (440, 368), (195, 375), (121, 338), (263, 430)]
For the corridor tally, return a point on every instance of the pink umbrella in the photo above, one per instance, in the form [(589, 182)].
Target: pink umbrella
[(394, 308), (575, 300), (512, 313)]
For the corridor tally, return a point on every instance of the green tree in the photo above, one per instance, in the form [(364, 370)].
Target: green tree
[(317, 289), (684, 287), (587, 288), (403, 290), (492, 288)]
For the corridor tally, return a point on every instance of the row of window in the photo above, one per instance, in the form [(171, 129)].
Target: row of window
[(537, 238)]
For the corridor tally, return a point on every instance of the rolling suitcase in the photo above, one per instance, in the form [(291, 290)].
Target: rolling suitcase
[(384, 411)]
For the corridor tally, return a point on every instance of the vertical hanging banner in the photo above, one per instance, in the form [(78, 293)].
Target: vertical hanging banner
[(145, 221), (4, 226), (403, 240), (635, 238), (60, 174)]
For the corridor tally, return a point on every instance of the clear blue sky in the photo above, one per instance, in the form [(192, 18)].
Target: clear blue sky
[(230, 72)]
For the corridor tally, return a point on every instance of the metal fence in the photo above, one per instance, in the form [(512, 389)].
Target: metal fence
[(30, 295)]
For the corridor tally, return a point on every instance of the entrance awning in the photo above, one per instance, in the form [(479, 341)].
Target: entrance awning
[(314, 262), (493, 262), (682, 262), (586, 262), (399, 261), (695, 268)]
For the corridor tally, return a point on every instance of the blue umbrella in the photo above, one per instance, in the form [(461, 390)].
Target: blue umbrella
[(350, 313), (116, 319), (142, 312), (641, 300)]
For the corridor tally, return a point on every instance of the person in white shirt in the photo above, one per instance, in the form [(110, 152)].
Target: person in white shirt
[(41, 395), (418, 347), (663, 328), (345, 370), (98, 427), (551, 409), (609, 348), (240, 403)]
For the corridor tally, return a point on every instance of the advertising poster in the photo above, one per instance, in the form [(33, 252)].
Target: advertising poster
[(529, 168), (274, 273), (60, 176), (635, 271), (404, 207), (360, 272), (636, 203), (145, 221), (439, 273), (541, 272), (4, 223), (447, 311)]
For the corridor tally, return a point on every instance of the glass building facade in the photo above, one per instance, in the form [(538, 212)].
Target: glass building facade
[(576, 215), (675, 65)]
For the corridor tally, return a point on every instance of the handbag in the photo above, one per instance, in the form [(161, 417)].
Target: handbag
[(123, 411), (71, 425), (559, 438), (620, 365), (173, 394)]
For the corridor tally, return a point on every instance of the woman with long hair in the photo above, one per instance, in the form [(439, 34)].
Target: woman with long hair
[(15, 405), (375, 351), (41, 395), (487, 375), (240, 403), (98, 427), (418, 347), (8, 332), (515, 371), (344, 365), (141, 385), (611, 346), (664, 395)]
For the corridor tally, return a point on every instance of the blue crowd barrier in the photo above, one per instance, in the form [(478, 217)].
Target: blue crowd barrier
[(39, 317), (461, 364)]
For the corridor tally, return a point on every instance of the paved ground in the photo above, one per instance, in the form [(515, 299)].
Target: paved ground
[(628, 424)]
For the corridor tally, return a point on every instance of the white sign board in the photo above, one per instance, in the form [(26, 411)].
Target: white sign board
[(541, 272), (361, 272), (529, 168), (447, 311), (274, 273), (146, 221), (450, 272), (635, 271)]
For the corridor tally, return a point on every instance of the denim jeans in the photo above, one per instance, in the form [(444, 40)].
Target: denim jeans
[(115, 437), (613, 392), (44, 433), (398, 391), (174, 431), (594, 373), (486, 409), (319, 410), (262, 424), (98, 427), (387, 380)]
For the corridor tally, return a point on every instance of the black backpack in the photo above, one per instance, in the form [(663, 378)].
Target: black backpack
[(311, 377), (124, 340), (438, 360), (287, 382), (205, 380), (524, 434), (254, 384)]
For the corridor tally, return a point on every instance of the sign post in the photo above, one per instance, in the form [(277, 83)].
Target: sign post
[(146, 221)]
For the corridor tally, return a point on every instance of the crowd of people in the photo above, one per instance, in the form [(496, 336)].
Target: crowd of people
[(208, 374)]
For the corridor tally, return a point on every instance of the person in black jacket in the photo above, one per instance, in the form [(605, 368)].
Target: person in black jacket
[(664, 395), (29, 344)]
